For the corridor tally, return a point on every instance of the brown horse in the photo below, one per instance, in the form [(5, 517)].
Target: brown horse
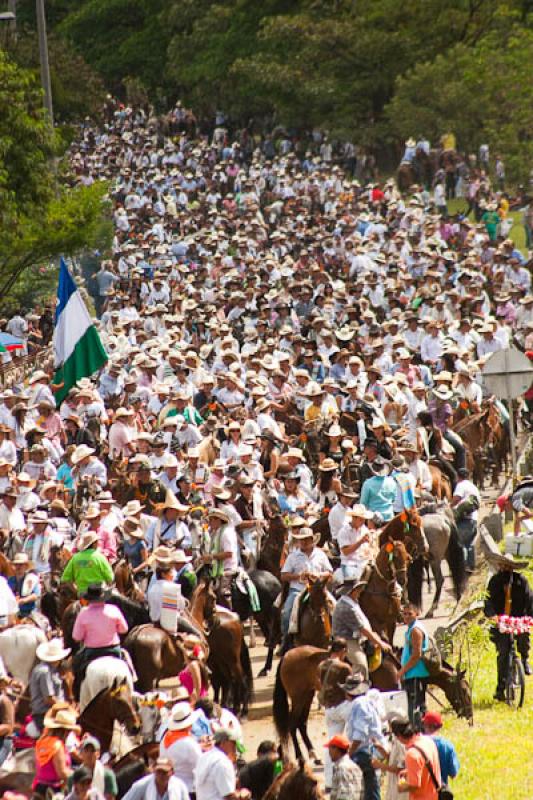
[(125, 581), (59, 558), (6, 567), (274, 545), (155, 654), (296, 781), (114, 703), (382, 598), (229, 658), (314, 623), (407, 528), (134, 765), (321, 526), (475, 432), (441, 487)]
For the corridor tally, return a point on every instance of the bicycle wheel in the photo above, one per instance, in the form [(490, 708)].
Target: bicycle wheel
[(515, 687)]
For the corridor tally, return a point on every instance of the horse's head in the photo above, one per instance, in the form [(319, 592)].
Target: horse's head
[(415, 539), (122, 706)]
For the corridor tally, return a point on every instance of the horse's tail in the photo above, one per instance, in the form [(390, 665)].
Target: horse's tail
[(455, 556), (281, 707), (246, 665)]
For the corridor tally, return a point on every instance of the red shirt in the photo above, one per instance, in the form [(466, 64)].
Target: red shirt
[(417, 771)]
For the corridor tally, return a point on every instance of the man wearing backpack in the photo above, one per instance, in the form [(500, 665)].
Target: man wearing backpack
[(465, 501), (421, 778), (414, 672)]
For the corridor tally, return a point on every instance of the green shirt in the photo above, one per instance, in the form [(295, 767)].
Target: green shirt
[(86, 567)]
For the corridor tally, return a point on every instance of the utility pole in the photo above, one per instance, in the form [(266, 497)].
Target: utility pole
[(43, 55)]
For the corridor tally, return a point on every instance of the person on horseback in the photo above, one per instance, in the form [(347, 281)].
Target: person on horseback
[(442, 414), (46, 686), (466, 500), (378, 493), (185, 576), (356, 542), (98, 628), (224, 554), (431, 443), (169, 528), (306, 560), (349, 622), (25, 585), (164, 579), (88, 565)]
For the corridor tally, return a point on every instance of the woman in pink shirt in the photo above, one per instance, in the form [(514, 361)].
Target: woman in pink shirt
[(107, 540), (98, 627)]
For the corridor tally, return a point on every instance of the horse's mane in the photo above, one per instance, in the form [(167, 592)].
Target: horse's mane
[(128, 606)]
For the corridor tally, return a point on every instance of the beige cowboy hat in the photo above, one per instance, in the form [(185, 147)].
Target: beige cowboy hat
[(162, 555), (38, 518), (335, 430), (132, 507), (81, 452), (135, 533), (295, 452), (360, 511), (303, 533), (171, 501), (181, 557), (63, 718), (218, 513), (37, 376), (313, 390), (21, 558), (328, 465), (123, 412), (26, 479), (51, 651), (87, 539), (506, 560)]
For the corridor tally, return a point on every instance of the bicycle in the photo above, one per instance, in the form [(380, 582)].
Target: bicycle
[(515, 680)]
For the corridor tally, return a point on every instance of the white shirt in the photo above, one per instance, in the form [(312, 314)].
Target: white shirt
[(214, 776), (184, 754), (154, 596), (336, 518), (11, 520), (315, 564), (466, 489), (8, 602), (349, 535)]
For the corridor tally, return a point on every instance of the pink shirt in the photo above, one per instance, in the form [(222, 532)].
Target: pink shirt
[(107, 542), (99, 625)]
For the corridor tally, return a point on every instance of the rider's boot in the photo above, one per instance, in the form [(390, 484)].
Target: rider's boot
[(527, 666)]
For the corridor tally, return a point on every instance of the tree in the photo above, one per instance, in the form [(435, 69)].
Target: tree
[(484, 94), (40, 218)]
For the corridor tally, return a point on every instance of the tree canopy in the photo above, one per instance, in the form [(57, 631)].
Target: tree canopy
[(40, 218)]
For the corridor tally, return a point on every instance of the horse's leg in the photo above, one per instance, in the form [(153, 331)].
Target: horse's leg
[(439, 581), (302, 727), (252, 642)]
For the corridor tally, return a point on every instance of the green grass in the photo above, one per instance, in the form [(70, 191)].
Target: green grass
[(517, 234), (496, 753)]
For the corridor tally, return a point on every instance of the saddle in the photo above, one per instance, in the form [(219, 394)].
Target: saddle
[(84, 657)]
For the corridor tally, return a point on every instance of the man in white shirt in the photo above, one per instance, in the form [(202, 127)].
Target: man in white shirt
[(180, 746), (418, 468), (301, 562), (431, 345), (215, 776), (224, 555), (337, 517), (355, 542)]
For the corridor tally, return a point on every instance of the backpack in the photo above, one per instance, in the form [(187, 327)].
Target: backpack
[(465, 507), (443, 790)]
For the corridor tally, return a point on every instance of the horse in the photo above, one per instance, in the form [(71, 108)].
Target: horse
[(296, 781), (441, 487), (407, 528), (381, 598), (59, 558), (155, 654), (274, 545), (268, 588), (321, 527), (125, 581), (18, 648), (297, 678), (229, 658), (18, 776), (56, 600), (443, 540), (475, 434), (115, 702), (103, 673), (134, 765), (314, 619)]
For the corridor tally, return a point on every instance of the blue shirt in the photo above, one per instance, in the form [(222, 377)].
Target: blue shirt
[(364, 723), (419, 670), (379, 494), (449, 763)]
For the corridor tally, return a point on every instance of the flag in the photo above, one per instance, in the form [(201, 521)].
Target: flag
[(78, 350)]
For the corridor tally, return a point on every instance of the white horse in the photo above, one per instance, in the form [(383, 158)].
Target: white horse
[(18, 646), (100, 675)]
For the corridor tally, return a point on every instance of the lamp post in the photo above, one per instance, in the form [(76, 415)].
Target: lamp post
[(43, 55)]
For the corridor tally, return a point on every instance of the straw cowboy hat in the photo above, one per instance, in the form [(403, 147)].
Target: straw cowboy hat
[(218, 513), (506, 560), (51, 651), (171, 501), (328, 465), (87, 539), (21, 558), (182, 717), (314, 390), (132, 508), (162, 556), (360, 511), (63, 718), (295, 452), (304, 533), (81, 452), (92, 512)]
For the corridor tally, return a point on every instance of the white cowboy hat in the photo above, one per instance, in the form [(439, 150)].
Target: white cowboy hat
[(87, 539), (359, 510), (218, 513), (163, 555), (63, 718), (37, 376), (182, 717), (38, 517), (123, 412), (335, 430), (81, 452), (171, 501), (131, 508), (51, 651), (295, 452), (181, 557), (21, 558)]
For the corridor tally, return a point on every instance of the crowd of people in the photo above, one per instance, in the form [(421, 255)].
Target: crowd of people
[(283, 340)]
